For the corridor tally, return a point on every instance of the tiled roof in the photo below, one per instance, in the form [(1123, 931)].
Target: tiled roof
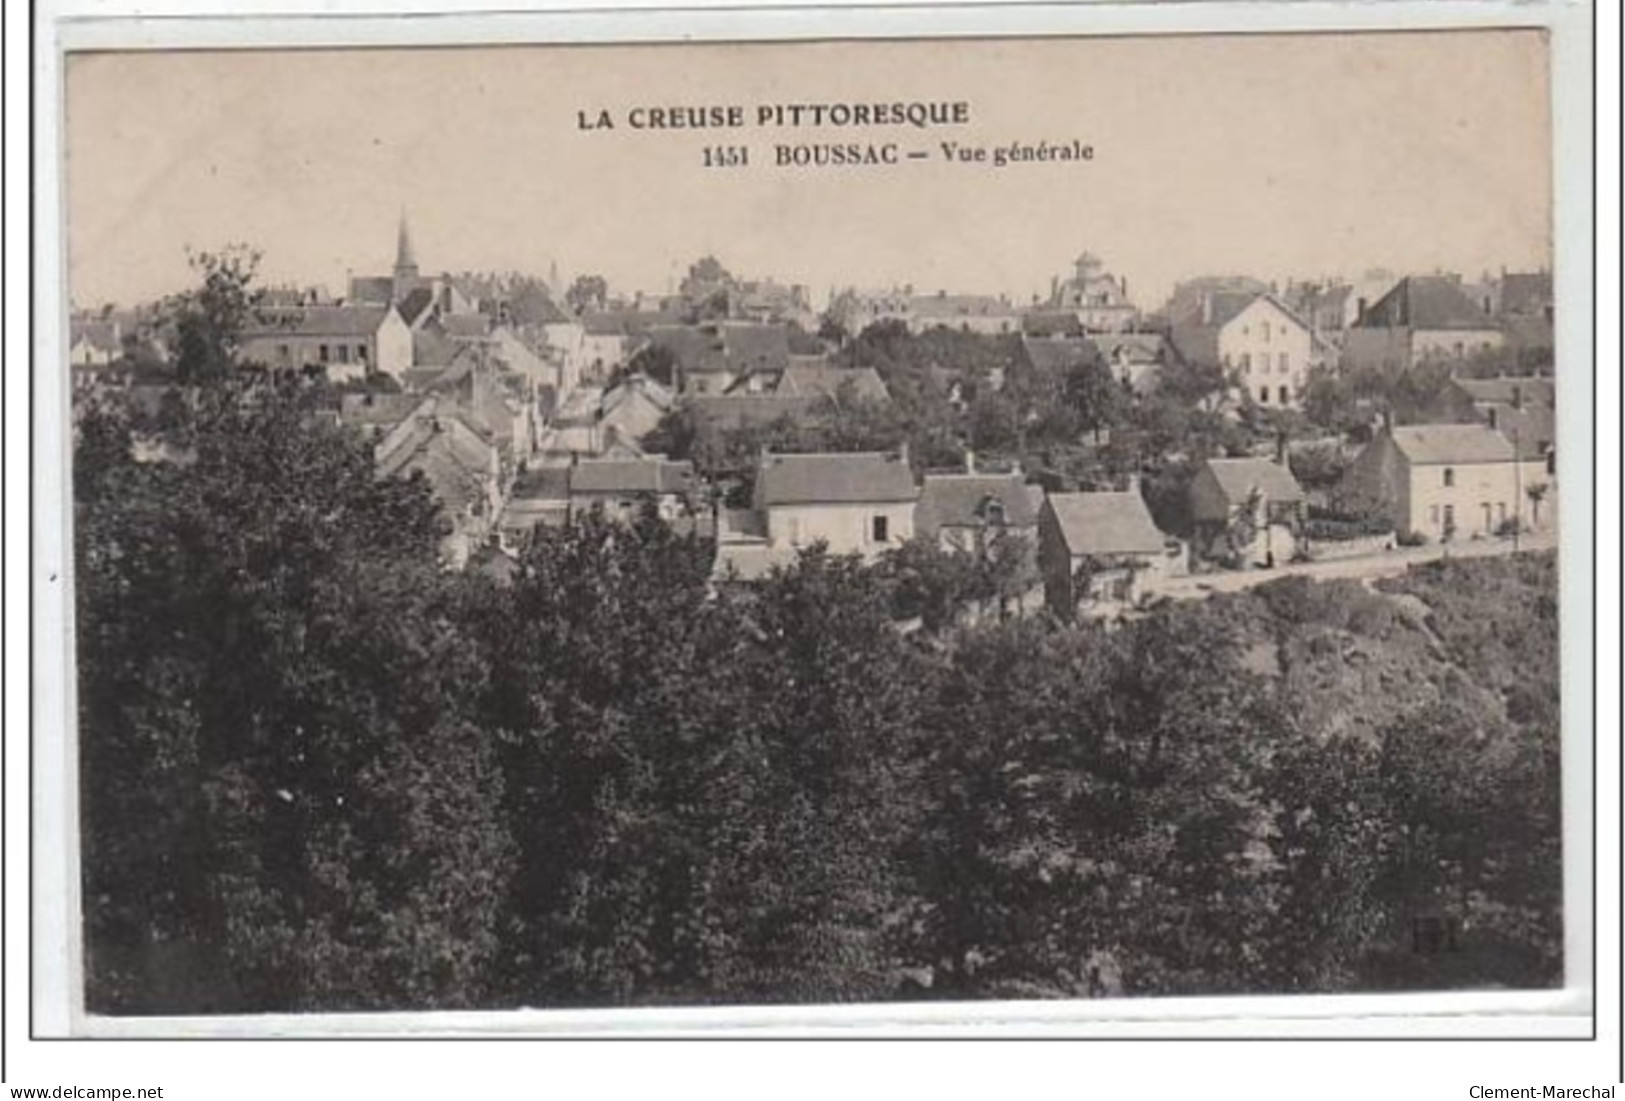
[(1130, 347), (747, 410), (1239, 477), (1051, 323), (635, 386), (372, 290), (338, 321), (1528, 391), (377, 409), (542, 483), (825, 380), (1050, 354), (651, 475), (464, 326), (1526, 292), (1223, 306), (748, 347), (853, 477), (963, 500), (1426, 302), (1431, 444), (432, 348), (1106, 523), (415, 303), (101, 335), (959, 305)]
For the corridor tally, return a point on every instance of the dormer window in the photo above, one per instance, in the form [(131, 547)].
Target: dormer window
[(1449, 477)]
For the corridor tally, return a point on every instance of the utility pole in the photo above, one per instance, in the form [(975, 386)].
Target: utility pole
[(1517, 491)]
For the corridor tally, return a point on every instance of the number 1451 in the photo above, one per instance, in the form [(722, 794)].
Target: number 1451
[(727, 156)]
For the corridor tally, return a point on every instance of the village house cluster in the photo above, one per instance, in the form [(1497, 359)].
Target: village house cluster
[(527, 406)]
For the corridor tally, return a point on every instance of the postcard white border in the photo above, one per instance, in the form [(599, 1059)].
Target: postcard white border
[(1560, 1013)]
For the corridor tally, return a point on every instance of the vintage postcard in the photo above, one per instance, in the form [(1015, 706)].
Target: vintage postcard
[(1060, 521)]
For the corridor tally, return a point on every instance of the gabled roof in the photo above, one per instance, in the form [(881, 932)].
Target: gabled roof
[(1051, 323), (1059, 354), (1524, 391), (1148, 348), (747, 410), (377, 409), (335, 321), (654, 474), (416, 302), (1240, 477), (372, 290), (1426, 302), (1437, 444), (1105, 523), (542, 483), (964, 500), (635, 386), (825, 380), (834, 478), (1224, 306), (752, 347), (101, 335), (432, 348), (950, 306), (1526, 292), (464, 326)]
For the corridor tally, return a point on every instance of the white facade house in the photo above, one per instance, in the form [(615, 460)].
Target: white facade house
[(1444, 481), (1270, 350)]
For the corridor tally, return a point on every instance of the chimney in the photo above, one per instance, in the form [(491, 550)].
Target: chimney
[(1054, 288), (970, 461), (1207, 309), (1132, 484), (1359, 310), (902, 452)]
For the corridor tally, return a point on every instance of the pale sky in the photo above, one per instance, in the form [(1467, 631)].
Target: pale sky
[(1276, 156)]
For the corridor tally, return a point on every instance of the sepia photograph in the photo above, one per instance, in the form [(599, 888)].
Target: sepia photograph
[(1055, 519)]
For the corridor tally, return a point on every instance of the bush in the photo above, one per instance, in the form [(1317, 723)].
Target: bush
[(1511, 526), (1411, 539), (1329, 530)]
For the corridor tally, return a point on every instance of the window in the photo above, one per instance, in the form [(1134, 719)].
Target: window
[(1449, 476), (1264, 331), (282, 352), (361, 353), (1281, 363), (1264, 394), (1492, 412), (878, 528), (1246, 362), (321, 352), (344, 353), (1501, 512), (1285, 396), (1450, 517), (1433, 516), (1459, 349)]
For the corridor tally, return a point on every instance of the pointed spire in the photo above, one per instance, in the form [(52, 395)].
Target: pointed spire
[(406, 265)]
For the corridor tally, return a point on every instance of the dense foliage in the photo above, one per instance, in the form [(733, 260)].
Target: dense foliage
[(319, 772)]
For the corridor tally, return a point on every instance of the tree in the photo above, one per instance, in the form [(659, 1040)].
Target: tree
[(587, 293), (280, 786), (207, 323), (1098, 398), (707, 289)]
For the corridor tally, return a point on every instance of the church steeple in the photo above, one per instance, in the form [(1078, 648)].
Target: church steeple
[(406, 264)]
